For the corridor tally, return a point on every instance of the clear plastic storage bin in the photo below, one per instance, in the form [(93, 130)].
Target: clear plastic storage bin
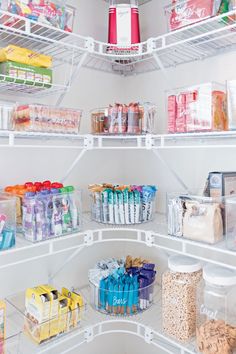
[(179, 293), (231, 99), (197, 108), (122, 119), (43, 316), (121, 302), (181, 13), (51, 214), (7, 221), (6, 112), (47, 119), (196, 218), (123, 207), (230, 212), (216, 313)]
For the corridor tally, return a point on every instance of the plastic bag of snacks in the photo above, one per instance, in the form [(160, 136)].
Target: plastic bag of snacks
[(42, 118), (134, 118), (122, 205), (181, 13), (122, 287)]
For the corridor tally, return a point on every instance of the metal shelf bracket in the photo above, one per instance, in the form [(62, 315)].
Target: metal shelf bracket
[(89, 334), (148, 336)]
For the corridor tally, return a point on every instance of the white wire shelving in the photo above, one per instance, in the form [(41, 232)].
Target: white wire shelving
[(210, 37), (209, 140), (94, 324), (153, 234)]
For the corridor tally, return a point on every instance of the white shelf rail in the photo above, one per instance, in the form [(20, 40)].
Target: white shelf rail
[(209, 140), (153, 235)]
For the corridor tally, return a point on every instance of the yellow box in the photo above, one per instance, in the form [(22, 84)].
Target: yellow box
[(63, 310), (2, 326), (37, 306), (54, 295), (74, 307)]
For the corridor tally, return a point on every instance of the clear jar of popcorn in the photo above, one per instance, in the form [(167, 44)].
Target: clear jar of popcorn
[(179, 292), (216, 311)]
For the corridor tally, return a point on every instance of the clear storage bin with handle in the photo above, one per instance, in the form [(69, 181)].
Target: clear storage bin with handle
[(230, 216), (216, 313), (196, 217), (47, 119), (133, 119), (7, 221), (179, 291)]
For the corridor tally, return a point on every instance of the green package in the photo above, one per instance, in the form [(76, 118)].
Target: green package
[(25, 74)]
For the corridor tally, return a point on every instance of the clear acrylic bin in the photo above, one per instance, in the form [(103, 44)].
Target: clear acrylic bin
[(183, 13), (66, 318), (231, 99), (196, 217), (6, 112), (197, 108), (7, 221), (123, 303), (230, 211), (47, 119), (123, 208), (49, 215), (122, 119)]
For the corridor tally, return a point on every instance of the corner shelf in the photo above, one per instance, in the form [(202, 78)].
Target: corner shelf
[(204, 39), (94, 324), (153, 234)]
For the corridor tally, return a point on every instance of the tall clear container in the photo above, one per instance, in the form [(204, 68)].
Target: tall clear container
[(7, 221), (197, 108), (179, 291), (216, 312)]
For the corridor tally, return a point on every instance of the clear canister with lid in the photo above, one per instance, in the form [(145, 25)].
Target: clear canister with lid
[(179, 292), (216, 311)]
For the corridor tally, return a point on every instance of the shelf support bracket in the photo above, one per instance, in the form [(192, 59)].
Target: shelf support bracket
[(162, 68), (74, 77), (73, 165), (148, 336), (171, 170), (67, 261)]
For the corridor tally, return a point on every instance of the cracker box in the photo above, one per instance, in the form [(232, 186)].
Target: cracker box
[(37, 309), (76, 302), (63, 310), (54, 305)]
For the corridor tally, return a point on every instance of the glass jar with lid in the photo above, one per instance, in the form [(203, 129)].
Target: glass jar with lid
[(179, 290), (216, 311)]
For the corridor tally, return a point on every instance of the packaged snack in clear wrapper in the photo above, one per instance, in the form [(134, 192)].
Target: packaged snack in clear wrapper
[(121, 205)]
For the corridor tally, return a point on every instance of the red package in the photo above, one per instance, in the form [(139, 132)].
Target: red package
[(192, 123), (172, 112), (181, 113), (187, 12)]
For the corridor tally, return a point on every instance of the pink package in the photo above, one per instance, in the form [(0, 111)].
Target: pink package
[(172, 112), (187, 12), (191, 112), (181, 113)]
